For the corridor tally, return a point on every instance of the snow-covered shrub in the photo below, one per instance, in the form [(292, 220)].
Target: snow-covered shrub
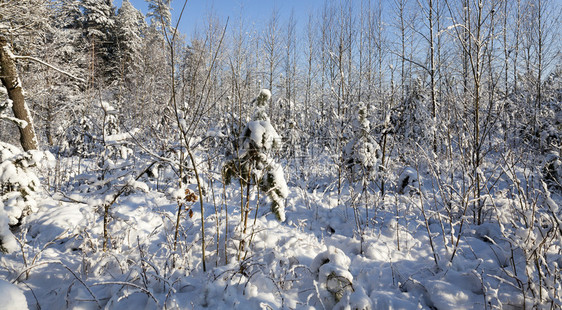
[(362, 153), (8, 243), (538, 126), (18, 182), (104, 137), (529, 233), (412, 119), (550, 115), (552, 172), (408, 181), (80, 140), (333, 279), (114, 140), (254, 163)]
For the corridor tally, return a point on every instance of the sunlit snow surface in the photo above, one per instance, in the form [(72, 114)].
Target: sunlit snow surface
[(11, 297), (315, 259)]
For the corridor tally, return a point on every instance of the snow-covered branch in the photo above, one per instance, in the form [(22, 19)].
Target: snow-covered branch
[(50, 66)]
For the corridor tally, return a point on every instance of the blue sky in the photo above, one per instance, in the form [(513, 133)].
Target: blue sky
[(251, 10)]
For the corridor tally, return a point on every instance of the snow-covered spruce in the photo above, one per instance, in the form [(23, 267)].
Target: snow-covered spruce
[(255, 164), (414, 122), (362, 153), (18, 182)]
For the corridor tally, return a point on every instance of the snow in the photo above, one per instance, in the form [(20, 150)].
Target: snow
[(314, 259), (11, 297), (266, 94), (8, 50), (7, 240), (321, 252), (7, 105), (279, 176), (18, 176), (107, 107), (120, 137), (334, 281), (407, 200), (263, 135), (28, 113), (408, 180)]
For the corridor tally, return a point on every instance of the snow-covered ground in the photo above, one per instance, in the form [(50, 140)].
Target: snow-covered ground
[(323, 256)]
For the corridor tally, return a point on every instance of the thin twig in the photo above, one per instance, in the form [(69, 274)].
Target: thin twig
[(50, 66), (67, 268), (130, 284)]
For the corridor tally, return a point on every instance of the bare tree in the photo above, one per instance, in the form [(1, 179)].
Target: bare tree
[(400, 7), (272, 51), (473, 31)]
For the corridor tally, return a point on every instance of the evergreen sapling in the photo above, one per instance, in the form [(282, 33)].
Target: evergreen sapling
[(254, 163), (362, 154)]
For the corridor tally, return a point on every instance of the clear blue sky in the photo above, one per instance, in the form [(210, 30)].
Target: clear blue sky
[(196, 11)]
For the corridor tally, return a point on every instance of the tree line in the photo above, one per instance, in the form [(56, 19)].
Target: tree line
[(455, 80)]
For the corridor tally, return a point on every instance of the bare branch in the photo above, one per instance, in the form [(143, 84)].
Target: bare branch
[(50, 66)]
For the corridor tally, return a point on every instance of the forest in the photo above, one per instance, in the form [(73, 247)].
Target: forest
[(378, 154)]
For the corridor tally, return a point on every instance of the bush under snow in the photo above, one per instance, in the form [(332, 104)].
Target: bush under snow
[(18, 183)]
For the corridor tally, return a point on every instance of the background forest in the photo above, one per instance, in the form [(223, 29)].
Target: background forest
[(378, 155)]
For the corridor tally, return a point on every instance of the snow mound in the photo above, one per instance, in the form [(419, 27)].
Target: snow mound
[(263, 135), (12, 297), (7, 241), (334, 281)]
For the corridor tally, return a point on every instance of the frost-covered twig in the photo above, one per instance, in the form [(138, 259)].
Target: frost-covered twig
[(70, 199), (34, 296), (113, 200), (50, 66), (23, 256), (149, 293), (67, 268), (426, 221)]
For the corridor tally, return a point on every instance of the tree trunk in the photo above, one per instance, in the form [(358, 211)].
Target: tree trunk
[(10, 80)]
